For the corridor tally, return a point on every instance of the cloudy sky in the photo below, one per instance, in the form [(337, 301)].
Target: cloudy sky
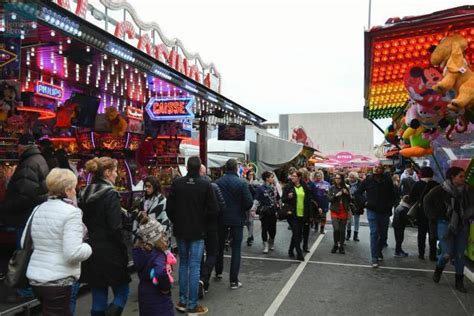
[(283, 56)]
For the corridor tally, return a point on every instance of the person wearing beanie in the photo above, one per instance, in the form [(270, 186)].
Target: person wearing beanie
[(417, 194), (153, 260)]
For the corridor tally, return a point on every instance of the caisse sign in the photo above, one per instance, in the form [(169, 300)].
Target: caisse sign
[(166, 109)]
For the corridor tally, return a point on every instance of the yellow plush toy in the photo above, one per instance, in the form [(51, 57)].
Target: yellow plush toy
[(449, 55), (117, 122)]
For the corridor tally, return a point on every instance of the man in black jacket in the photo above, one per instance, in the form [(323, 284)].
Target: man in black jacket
[(27, 186), (238, 201), (212, 240), (190, 206), (377, 194), (26, 189)]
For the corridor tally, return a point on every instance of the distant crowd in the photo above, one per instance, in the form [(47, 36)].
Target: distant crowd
[(87, 237)]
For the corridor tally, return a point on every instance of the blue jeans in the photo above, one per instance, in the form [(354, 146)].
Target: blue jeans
[(100, 300), (190, 255), (74, 292), (356, 220), (452, 247), (236, 234), (378, 224)]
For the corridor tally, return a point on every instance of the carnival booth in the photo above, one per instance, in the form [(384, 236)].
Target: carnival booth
[(418, 72), (96, 80)]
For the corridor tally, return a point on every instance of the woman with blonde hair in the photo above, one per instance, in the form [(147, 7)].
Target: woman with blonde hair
[(107, 267), (57, 233)]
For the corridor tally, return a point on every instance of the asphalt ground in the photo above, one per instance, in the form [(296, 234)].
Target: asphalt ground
[(326, 284)]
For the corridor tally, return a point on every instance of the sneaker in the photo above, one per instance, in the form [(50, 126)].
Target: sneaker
[(421, 257), (380, 257), (341, 250), (334, 249), (198, 310), (201, 290), (218, 277), (375, 265), (235, 285), (291, 254), (180, 307), (401, 254)]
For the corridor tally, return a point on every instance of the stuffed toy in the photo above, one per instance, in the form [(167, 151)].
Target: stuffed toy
[(420, 146), (117, 122), (419, 82), (170, 261), (425, 116), (449, 55)]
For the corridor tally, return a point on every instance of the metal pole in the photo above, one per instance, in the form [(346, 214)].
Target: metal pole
[(438, 166), (370, 14)]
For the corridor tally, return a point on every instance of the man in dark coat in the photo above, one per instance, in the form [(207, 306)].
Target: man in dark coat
[(377, 194), (190, 206), (27, 187), (238, 201), (26, 190), (212, 239)]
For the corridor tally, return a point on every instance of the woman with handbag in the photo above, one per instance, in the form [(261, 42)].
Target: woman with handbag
[(57, 233), (265, 206), (425, 227), (108, 265), (451, 205), (339, 199), (297, 198), (356, 209)]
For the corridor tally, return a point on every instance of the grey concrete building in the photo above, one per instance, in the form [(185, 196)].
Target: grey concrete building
[(329, 132)]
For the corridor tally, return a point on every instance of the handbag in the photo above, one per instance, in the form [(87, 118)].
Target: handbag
[(414, 209), (263, 210), (18, 264), (282, 212)]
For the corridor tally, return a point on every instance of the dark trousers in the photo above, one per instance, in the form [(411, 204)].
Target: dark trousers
[(236, 233), (297, 227), (425, 227), (207, 264), (399, 233), (55, 300), (268, 227), (339, 230)]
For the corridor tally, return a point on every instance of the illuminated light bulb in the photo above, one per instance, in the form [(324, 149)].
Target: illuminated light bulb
[(53, 33), (13, 16), (393, 51), (105, 57)]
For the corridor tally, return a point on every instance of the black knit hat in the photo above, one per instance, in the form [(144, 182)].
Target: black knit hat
[(26, 139)]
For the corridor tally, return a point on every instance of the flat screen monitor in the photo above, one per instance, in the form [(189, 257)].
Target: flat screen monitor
[(231, 132), (86, 110)]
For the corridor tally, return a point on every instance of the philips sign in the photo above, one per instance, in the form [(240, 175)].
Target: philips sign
[(48, 90)]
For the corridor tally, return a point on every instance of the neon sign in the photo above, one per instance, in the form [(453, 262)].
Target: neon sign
[(6, 57), (48, 90), (134, 113), (167, 109)]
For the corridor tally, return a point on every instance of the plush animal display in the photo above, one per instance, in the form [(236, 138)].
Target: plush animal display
[(117, 122), (419, 145), (449, 55)]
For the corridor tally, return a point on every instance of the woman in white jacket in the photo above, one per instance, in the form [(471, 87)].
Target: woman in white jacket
[(57, 232)]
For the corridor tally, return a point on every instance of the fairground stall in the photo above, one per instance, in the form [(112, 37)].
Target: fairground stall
[(94, 79), (418, 72)]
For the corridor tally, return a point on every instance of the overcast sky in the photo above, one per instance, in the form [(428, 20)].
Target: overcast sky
[(280, 57)]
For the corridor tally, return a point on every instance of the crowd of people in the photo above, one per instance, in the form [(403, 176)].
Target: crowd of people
[(86, 236)]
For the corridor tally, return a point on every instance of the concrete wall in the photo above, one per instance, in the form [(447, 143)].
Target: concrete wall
[(332, 132)]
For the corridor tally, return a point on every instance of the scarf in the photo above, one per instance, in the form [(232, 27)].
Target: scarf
[(455, 206)]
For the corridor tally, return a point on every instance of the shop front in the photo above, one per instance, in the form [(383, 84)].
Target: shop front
[(98, 81)]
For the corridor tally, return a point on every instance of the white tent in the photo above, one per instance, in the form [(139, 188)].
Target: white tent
[(213, 160)]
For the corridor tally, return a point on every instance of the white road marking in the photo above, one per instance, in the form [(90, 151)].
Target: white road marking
[(469, 274), (265, 258), (369, 266), (291, 282)]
